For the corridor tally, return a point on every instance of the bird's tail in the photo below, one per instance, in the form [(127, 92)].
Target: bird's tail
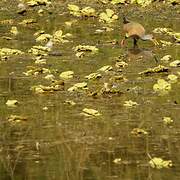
[(125, 20)]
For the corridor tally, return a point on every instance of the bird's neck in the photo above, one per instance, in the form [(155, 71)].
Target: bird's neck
[(125, 20)]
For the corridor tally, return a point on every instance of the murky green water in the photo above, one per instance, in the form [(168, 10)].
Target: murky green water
[(62, 144)]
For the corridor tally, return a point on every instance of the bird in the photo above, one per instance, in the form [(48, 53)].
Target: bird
[(135, 31)]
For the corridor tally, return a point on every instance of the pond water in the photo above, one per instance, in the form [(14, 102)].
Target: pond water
[(59, 142)]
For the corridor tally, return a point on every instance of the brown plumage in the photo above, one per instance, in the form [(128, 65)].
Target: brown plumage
[(136, 31)]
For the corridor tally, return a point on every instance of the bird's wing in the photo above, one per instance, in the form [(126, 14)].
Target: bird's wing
[(134, 29)]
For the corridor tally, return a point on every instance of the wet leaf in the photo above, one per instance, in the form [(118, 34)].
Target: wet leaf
[(167, 120), (139, 132), (66, 75), (105, 68), (130, 103), (162, 87), (172, 78), (159, 163), (12, 103), (94, 76), (90, 112), (175, 63)]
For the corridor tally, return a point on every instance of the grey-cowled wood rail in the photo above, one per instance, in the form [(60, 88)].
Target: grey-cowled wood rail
[(135, 31)]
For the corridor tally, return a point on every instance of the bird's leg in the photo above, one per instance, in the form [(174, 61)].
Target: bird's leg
[(135, 42), (122, 43)]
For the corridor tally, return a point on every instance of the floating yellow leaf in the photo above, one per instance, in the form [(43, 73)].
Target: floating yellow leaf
[(175, 63), (138, 132), (43, 38), (162, 87), (166, 58), (12, 103), (130, 103), (105, 68), (16, 118), (160, 163), (167, 120), (117, 161), (14, 30), (94, 76), (80, 48), (88, 11), (66, 75), (90, 112), (172, 78), (50, 77), (78, 86)]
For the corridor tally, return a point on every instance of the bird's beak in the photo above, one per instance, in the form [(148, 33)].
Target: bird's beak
[(155, 42)]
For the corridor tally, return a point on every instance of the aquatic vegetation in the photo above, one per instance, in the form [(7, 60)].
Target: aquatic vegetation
[(157, 69), (108, 17), (159, 163), (76, 11)]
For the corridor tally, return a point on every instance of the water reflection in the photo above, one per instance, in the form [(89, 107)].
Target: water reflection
[(140, 53)]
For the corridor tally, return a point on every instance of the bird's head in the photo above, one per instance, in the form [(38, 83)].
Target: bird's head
[(150, 37)]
